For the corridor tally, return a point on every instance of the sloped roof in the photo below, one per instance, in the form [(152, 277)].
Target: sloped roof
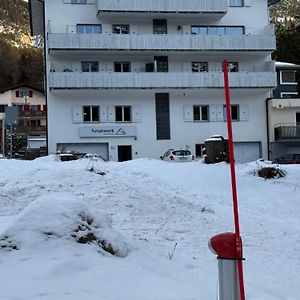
[(14, 87), (286, 66)]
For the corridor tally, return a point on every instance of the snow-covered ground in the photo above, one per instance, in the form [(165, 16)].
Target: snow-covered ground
[(142, 209)]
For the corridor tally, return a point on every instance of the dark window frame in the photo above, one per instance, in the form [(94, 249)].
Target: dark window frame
[(122, 112), (121, 28), (205, 29), (90, 66), (199, 113), (91, 113), (89, 26), (122, 64), (160, 26), (198, 68), (235, 113)]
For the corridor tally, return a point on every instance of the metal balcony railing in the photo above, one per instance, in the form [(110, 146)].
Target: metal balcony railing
[(287, 132), (162, 6), (111, 80), (160, 42)]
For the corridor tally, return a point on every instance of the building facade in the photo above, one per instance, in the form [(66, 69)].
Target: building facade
[(132, 78), (31, 127), (284, 113)]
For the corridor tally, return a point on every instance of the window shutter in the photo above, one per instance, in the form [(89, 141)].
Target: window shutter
[(135, 67), (71, 29), (111, 113), (67, 1), (39, 107), (188, 113), (247, 2), (26, 107), (137, 114), (219, 112), (77, 114), (103, 114), (134, 29), (30, 94), (213, 113), (186, 29), (17, 94), (110, 67), (187, 67), (244, 112), (106, 28)]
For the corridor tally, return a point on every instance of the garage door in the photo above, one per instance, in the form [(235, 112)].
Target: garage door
[(98, 148), (247, 151)]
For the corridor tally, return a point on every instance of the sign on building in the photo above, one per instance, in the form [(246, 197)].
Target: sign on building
[(11, 115), (107, 131)]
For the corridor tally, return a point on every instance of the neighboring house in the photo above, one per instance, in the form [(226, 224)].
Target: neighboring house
[(130, 79), (32, 115), (284, 113)]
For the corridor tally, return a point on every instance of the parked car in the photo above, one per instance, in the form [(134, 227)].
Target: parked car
[(2, 156), (178, 155), (288, 159)]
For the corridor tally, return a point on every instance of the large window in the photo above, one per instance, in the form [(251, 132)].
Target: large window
[(91, 113), (122, 66), (78, 1), (123, 113), (161, 63), (88, 28), (200, 112), (120, 28), (89, 66), (288, 77), (160, 27), (199, 66), (236, 3), (218, 30), (235, 112)]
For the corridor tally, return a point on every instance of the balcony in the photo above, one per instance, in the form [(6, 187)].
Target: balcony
[(29, 114), (156, 42), (30, 129), (157, 80), (154, 7), (287, 132)]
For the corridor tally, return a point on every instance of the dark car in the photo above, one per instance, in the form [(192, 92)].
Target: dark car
[(288, 159)]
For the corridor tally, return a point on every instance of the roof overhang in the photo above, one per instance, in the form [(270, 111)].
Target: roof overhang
[(36, 11), (271, 2)]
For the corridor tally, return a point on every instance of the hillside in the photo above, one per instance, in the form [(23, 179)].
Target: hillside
[(20, 61)]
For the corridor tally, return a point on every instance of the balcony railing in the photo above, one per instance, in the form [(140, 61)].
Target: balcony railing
[(40, 113), (165, 6), (162, 42), (287, 132), (107, 80), (28, 129)]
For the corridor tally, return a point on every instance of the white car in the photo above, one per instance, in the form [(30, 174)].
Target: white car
[(178, 155)]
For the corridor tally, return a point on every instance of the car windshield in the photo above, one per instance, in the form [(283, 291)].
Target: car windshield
[(181, 152)]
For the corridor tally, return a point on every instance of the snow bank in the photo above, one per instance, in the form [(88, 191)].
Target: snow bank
[(61, 217)]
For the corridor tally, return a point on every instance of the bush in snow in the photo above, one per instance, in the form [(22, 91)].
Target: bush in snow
[(59, 219), (271, 172)]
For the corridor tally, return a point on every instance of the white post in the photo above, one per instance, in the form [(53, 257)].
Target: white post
[(3, 136)]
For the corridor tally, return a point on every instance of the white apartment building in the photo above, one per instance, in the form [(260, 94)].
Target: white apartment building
[(132, 78)]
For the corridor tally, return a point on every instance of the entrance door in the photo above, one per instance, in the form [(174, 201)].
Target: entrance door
[(124, 153)]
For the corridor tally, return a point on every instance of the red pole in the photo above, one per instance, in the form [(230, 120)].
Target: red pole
[(233, 182)]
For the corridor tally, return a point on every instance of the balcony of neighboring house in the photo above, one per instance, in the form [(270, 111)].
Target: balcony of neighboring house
[(30, 129), (287, 132), (213, 8), (32, 114), (236, 40), (158, 80)]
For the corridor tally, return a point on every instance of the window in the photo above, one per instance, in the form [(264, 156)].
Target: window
[(288, 94), (123, 113), (288, 77), (199, 66), (89, 66), (122, 67), (298, 118), (236, 3), (91, 114), (233, 67), (160, 27), (235, 112), (200, 112), (2, 108), (121, 29), (35, 122), (161, 63), (88, 28), (78, 1), (218, 30)]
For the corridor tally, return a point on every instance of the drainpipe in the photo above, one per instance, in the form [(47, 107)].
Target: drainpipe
[(268, 135)]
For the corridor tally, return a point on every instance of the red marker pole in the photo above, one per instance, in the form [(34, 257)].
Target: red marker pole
[(233, 182)]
